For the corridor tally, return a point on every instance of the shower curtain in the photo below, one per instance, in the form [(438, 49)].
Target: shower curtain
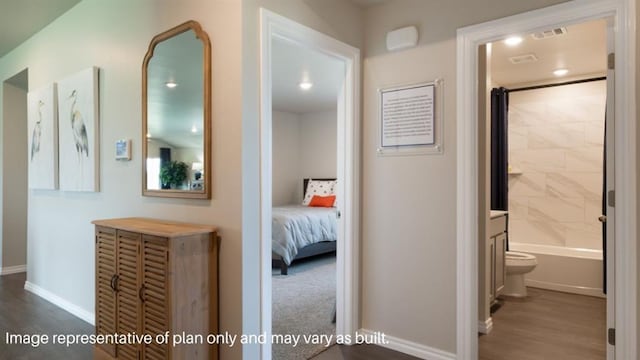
[(499, 152), (499, 148)]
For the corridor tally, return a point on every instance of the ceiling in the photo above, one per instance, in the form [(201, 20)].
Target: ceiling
[(582, 50), (291, 65), (20, 19)]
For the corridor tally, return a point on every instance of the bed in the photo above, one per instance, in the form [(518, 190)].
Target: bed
[(299, 231)]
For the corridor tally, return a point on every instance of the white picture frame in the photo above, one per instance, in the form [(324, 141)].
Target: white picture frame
[(410, 119), (123, 149)]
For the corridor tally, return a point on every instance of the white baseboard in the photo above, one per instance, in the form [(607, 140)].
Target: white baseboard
[(580, 290), (485, 327), (60, 302), (411, 348), (13, 270)]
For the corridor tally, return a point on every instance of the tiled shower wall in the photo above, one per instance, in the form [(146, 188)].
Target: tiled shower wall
[(556, 138)]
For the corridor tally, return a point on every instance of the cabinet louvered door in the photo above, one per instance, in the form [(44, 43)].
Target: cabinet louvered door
[(155, 303), (128, 286), (105, 292)]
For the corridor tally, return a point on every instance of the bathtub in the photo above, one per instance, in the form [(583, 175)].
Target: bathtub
[(572, 270)]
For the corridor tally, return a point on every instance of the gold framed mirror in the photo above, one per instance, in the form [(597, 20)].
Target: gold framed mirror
[(176, 114)]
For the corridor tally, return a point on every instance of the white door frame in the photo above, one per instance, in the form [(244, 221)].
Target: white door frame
[(468, 39), (347, 264)]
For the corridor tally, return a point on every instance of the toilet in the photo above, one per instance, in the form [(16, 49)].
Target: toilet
[(517, 265)]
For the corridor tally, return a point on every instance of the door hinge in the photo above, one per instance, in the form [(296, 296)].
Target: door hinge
[(611, 198), (611, 336), (611, 61)]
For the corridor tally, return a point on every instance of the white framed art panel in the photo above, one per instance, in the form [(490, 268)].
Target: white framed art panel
[(78, 114), (42, 132)]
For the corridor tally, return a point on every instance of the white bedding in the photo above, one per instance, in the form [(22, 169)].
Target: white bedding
[(296, 226)]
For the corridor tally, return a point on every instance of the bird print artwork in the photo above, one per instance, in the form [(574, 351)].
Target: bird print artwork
[(37, 132), (78, 128), (78, 137)]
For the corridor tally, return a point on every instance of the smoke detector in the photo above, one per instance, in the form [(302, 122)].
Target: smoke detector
[(545, 34), (523, 59)]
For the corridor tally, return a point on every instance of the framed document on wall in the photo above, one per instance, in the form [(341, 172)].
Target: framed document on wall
[(410, 119)]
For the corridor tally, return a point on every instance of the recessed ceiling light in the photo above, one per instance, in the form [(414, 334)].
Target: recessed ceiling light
[(560, 72), (171, 84), (513, 40), (194, 129), (305, 85)]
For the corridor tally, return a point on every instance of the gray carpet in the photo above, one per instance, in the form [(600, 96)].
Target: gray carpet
[(303, 303)]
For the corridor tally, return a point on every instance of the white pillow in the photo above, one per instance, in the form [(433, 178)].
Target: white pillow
[(320, 188)]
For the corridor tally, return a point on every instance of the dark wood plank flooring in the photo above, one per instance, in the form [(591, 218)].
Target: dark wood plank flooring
[(547, 325), (22, 312)]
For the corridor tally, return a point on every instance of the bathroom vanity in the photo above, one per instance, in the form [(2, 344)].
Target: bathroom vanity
[(496, 247)]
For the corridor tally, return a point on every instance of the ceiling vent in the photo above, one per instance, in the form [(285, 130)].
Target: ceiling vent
[(549, 33), (523, 59)]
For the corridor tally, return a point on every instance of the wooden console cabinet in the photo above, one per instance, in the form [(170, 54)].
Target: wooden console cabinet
[(154, 277)]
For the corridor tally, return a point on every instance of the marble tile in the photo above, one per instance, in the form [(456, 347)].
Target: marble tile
[(537, 232), (585, 236), (518, 137), (584, 159), (539, 160), (574, 184), (518, 207), (527, 184), (552, 210), (592, 211), (527, 114), (594, 133), (567, 135), (556, 138)]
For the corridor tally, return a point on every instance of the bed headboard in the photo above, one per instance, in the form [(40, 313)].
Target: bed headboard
[(305, 183)]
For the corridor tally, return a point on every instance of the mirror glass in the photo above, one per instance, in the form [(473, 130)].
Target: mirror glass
[(176, 114)]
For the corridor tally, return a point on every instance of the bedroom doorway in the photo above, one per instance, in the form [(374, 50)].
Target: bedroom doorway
[(298, 65)]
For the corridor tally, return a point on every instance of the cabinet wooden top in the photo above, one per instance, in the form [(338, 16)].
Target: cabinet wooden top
[(156, 227)]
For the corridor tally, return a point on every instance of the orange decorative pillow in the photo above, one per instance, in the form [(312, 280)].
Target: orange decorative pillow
[(322, 201)]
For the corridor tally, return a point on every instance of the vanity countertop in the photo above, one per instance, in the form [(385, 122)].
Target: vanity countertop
[(497, 213)]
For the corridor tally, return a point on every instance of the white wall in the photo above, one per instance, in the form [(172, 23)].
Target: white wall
[(408, 205), (286, 158), (304, 146), (114, 35), (13, 243), (556, 140), (319, 145)]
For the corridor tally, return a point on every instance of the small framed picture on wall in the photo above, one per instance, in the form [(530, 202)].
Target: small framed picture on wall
[(123, 149)]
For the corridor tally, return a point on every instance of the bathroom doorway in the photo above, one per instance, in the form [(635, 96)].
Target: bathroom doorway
[(546, 95), (621, 289)]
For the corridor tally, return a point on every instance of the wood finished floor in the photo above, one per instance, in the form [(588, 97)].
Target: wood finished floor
[(22, 312), (547, 325)]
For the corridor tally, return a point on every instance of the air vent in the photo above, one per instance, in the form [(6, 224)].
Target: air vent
[(523, 59), (549, 33)]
